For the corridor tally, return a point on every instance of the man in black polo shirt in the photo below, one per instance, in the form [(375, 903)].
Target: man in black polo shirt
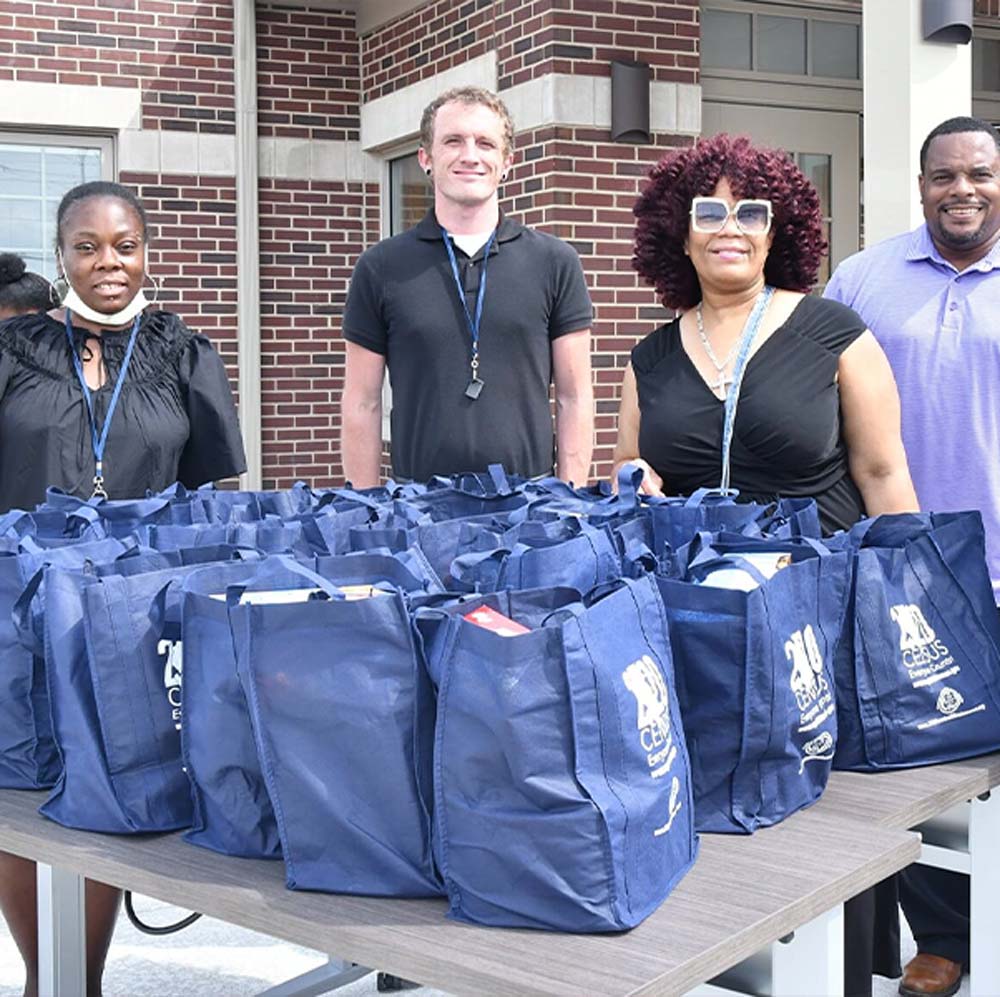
[(473, 314)]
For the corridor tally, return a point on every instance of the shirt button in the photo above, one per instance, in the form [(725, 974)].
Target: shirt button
[(953, 305)]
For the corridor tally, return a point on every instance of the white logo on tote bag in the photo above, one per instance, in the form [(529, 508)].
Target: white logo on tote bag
[(173, 669), (923, 653), (808, 683), (644, 680)]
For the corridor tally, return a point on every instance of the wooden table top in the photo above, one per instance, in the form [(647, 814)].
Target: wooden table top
[(904, 798), (742, 894)]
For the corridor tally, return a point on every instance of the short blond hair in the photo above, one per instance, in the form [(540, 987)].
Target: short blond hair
[(466, 95)]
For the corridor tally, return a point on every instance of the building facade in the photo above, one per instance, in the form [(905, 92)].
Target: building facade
[(314, 108)]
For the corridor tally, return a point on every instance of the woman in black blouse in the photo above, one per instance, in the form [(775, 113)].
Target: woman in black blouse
[(818, 412), (720, 225), (102, 381), (102, 397)]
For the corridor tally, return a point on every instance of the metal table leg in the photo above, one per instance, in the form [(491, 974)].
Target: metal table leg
[(62, 950), (811, 964), (321, 980), (984, 863), (808, 963)]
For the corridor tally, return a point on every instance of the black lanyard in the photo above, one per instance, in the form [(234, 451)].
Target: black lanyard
[(475, 385)]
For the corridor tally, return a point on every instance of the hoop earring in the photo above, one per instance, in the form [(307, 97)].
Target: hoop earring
[(156, 287), (58, 290)]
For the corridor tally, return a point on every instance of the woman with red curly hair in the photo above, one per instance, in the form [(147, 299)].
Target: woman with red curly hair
[(730, 236)]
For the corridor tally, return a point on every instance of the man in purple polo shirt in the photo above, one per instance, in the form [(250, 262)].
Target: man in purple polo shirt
[(932, 299)]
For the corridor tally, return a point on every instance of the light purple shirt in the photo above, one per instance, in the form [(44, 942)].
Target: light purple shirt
[(941, 332)]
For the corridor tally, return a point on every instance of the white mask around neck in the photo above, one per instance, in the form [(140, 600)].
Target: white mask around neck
[(75, 304)]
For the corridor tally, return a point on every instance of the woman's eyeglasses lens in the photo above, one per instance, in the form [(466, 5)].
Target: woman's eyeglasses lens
[(710, 214)]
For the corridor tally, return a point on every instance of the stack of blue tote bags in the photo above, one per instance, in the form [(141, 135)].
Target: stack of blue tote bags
[(521, 696)]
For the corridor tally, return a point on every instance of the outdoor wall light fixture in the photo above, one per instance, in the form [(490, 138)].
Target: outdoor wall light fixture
[(947, 21), (630, 102)]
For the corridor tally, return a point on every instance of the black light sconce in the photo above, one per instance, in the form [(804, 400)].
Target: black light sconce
[(947, 21), (630, 102)]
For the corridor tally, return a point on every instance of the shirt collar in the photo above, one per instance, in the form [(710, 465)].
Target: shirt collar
[(429, 229), (921, 247)]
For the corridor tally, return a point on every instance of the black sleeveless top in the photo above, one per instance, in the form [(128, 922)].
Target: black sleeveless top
[(175, 419), (787, 435)]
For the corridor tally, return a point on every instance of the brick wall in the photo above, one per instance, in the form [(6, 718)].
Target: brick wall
[(193, 251), (308, 71), (582, 37), (576, 184), (180, 54), (532, 38), (311, 234)]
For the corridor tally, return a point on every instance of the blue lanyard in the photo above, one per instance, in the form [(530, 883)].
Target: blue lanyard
[(743, 355), (473, 321), (98, 441)]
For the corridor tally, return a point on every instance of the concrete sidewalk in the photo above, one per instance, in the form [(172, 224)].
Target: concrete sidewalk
[(215, 959)]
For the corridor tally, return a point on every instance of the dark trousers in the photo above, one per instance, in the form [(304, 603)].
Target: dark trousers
[(871, 937), (936, 904)]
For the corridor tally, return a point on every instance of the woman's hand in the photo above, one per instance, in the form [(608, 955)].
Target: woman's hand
[(652, 483)]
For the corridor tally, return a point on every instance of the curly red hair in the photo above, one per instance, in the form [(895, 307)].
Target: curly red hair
[(664, 206)]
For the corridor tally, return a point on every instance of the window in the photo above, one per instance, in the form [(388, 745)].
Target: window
[(986, 65), (781, 44), (410, 193), (817, 168), (35, 172), (769, 43), (726, 39)]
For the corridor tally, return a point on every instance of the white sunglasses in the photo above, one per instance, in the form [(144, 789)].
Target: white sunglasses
[(710, 214)]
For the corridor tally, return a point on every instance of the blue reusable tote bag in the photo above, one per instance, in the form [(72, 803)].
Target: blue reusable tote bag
[(343, 717), (563, 553), (232, 811), (114, 671), (755, 679), (562, 794), (28, 755), (121, 516), (919, 681), (676, 521)]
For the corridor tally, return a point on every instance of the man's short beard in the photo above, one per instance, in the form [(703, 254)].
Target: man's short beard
[(962, 240)]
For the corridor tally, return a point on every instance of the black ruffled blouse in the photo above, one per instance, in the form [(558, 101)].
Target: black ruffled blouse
[(175, 419)]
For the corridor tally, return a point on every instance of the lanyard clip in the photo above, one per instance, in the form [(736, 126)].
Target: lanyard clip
[(99, 490)]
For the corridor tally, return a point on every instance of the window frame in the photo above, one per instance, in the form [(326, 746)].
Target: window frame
[(986, 103), (842, 14), (103, 141)]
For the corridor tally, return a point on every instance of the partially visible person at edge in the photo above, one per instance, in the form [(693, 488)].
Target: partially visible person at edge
[(473, 315), (21, 291), (932, 299), (818, 415), (174, 420)]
